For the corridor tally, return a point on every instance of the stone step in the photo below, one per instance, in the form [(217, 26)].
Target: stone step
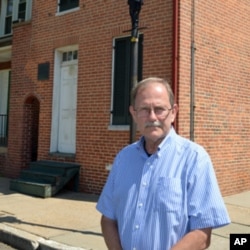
[(40, 176), (32, 188), (46, 178), (53, 167)]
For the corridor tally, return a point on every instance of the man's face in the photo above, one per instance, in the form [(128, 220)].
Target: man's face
[(152, 112)]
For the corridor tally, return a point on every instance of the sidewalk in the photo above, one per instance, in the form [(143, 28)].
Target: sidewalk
[(69, 221)]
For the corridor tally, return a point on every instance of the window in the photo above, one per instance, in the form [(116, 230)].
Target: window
[(68, 4), (121, 79), (22, 9), (13, 11), (8, 17), (69, 55)]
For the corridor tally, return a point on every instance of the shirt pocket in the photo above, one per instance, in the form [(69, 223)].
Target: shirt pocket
[(169, 195)]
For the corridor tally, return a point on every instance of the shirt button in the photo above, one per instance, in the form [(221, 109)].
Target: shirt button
[(140, 205), (137, 227), (144, 183)]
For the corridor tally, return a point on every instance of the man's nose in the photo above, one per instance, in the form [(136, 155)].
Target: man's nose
[(151, 115)]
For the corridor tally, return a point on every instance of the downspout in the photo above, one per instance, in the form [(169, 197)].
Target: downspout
[(175, 54), (192, 87)]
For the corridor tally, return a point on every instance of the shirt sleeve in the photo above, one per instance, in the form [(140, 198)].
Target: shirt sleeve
[(105, 203), (206, 206)]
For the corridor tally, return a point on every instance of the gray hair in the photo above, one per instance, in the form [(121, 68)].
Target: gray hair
[(147, 81)]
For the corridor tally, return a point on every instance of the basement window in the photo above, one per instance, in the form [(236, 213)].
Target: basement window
[(65, 5)]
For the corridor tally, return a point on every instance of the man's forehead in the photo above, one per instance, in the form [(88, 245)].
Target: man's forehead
[(155, 93), (151, 88)]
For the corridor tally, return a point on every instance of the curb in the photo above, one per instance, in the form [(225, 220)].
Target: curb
[(26, 241)]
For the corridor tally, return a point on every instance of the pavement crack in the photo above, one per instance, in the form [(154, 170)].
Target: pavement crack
[(219, 235), (5, 212), (241, 224)]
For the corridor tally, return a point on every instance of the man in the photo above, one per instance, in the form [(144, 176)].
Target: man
[(162, 191)]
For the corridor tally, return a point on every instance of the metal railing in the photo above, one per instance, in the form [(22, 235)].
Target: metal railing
[(3, 130)]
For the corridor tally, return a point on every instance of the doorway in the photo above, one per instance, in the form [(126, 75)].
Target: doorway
[(31, 128)]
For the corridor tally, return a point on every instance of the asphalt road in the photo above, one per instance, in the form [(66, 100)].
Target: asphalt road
[(6, 247)]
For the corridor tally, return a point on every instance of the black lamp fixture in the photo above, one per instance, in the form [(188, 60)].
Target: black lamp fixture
[(134, 11)]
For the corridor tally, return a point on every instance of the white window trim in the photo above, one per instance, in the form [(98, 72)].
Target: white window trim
[(118, 127), (112, 83), (61, 13)]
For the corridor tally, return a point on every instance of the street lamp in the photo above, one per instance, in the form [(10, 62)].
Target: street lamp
[(134, 11)]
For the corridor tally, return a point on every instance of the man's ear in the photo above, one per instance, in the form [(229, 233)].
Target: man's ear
[(132, 112), (176, 109), (174, 112)]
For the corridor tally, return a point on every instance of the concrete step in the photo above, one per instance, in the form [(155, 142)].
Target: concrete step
[(32, 188), (53, 166), (46, 178), (39, 176)]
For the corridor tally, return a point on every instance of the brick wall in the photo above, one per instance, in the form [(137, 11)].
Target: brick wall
[(222, 88), (221, 103)]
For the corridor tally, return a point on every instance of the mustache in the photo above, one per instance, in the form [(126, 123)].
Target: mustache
[(153, 124)]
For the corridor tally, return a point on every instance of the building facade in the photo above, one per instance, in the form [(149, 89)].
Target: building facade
[(65, 71)]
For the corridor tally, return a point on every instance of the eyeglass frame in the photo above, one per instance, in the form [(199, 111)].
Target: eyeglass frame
[(148, 111)]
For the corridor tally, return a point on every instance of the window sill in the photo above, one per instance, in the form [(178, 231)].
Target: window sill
[(118, 127), (6, 40), (61, 13), (20, 22), (62, 155)]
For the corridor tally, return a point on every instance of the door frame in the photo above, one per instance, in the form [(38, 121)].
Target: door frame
[(58, 59)]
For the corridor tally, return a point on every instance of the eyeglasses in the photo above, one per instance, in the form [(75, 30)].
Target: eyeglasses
[(160, 112)]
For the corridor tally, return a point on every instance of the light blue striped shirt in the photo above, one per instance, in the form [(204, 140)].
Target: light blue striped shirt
[(156, 200)]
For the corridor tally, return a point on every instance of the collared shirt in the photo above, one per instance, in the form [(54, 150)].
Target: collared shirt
[(156, 200)]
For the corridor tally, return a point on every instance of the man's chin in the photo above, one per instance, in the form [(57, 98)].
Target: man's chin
[(154, 137)]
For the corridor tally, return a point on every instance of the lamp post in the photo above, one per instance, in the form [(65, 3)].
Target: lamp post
[(134, 11)]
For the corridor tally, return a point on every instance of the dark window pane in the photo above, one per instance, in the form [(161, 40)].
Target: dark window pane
[(75, 55), (68, 4), (9, 9), (121, 80), (22, 10), (64, 56), (8, 25)]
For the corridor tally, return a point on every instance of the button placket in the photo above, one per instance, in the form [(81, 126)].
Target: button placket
[(142, 197)]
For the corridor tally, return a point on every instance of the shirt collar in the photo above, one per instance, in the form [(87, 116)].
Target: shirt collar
[(165, 143)]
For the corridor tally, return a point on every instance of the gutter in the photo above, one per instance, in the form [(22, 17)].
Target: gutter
[(192, 76)]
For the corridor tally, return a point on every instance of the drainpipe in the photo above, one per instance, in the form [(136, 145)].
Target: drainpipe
[(175, 54), (192, 87)]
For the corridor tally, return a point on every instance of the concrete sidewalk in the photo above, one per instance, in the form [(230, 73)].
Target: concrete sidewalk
[(70, 221)]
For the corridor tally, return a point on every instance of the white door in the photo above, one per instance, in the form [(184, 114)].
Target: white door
[(67, 109)]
